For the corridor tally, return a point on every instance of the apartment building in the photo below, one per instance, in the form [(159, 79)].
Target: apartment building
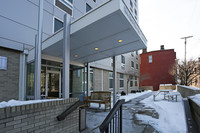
[(155, 67), (79, 40)]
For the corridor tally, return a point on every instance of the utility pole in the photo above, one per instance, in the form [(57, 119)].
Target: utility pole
[(185, 44), (185, 54)]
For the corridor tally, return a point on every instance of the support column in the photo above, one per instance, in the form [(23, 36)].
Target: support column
[(38, 53), (66, 56), (88, 79), (114, 80), (22, 75)]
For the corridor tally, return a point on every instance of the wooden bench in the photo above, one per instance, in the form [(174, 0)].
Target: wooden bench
[(173, 95), (100, 97)]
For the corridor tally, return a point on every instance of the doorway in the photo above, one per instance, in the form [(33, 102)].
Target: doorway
[(53, 85)]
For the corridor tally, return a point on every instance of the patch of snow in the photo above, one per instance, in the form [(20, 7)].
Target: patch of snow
[(189, 87), (196, 99), (132, 95), (171, 115), (13, 102), (126, 97)]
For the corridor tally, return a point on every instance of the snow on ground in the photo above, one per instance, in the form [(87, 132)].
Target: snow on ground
[(171, 115), (196, 99), (13, 102)]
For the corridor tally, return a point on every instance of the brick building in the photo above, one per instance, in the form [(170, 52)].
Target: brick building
[(155, 67)]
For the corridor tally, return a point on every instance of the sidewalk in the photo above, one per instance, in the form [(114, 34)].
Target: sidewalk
[(96, 116)]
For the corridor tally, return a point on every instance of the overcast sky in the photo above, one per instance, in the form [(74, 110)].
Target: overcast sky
[(164, 22)]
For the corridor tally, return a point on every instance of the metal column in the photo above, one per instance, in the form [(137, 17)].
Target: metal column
[(22, 76), (88, 79), (38, 53), (66, 56), (114, 80)]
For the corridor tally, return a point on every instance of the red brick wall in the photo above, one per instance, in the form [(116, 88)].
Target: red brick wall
[(157, 72)]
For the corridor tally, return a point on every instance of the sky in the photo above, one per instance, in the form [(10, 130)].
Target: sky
[(164, 22)]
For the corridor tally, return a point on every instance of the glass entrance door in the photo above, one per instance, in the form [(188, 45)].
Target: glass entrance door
[(53, 85)]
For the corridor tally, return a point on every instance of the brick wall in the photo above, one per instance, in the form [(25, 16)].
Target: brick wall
[(9, 79), (39, 117)]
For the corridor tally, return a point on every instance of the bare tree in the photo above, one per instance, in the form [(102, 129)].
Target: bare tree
[(185, 72)]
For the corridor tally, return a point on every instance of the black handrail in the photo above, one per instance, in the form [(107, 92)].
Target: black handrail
[(117, 123), (69, 110)]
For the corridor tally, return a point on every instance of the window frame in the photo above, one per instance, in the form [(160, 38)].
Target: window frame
[(121, 78)]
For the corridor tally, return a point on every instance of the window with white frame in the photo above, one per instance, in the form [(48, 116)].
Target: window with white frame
[(3, 63), (150, 59), (121, 80)]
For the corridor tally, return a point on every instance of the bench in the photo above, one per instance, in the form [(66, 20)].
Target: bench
[(100, 97), (173, 95)]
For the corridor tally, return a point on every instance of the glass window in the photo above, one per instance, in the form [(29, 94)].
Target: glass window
[(136, 52), (88, 7), (121, 76), (131, 3), (122, 59), (110, 83), (110, 79), (131, 83), (121, 83), (132, 64), (136, 83), (150, 59), (136, 66), (30, 81), (57, 24), (135, 12), (3, 63)]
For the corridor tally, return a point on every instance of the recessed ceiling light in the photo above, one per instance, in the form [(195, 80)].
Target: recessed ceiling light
[(96, 48), (120, 40), (75, 55)]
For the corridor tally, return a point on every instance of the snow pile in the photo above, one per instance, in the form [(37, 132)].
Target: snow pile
[(171, 115), (12, 102), (196, 99)]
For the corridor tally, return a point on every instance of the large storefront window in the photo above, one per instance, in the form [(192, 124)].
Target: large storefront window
[(51, 80)]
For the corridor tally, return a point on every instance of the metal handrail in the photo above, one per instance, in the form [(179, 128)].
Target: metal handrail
[(117, 107), (69, 110)]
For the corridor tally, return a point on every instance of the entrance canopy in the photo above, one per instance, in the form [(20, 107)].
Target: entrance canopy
[(106, 31)]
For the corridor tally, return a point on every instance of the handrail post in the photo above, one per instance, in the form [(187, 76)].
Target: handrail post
[(121, 119)]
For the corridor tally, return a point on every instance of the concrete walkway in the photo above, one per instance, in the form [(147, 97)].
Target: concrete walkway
[(130, 109), (130, 124)]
